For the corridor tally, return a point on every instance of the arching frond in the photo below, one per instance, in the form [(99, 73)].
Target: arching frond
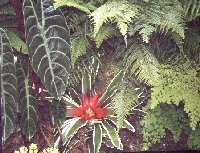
[(80, 5), (143, 64), (104, 33), (120, 12)]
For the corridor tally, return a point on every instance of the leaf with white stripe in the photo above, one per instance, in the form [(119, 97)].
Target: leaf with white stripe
[(112, 134), (97, 137), (27, 102), (48, 42), (8, 86)]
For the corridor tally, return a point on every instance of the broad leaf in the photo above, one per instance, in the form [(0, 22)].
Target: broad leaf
[(27, 101), (8, 86), (48, 42), (86, 83)]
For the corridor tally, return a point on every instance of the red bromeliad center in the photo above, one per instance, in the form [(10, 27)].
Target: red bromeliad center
[(89, 109)]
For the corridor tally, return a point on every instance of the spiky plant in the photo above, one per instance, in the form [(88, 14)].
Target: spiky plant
[(94, 110)]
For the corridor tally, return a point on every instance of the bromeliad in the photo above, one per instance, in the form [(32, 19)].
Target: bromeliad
[(92, 109)]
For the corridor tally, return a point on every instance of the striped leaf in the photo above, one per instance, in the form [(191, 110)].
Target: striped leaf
[(8, 86), (27, 102), (97, 137), (48, 42), (69, 128), (112, 134)]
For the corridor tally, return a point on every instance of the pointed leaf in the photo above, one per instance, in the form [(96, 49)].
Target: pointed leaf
[(17, 42), (126, 123), (86, 83), (112, 134), (70, 127), (27, 101), (48, 42), (8, 86), (97, 137), (111, 87)]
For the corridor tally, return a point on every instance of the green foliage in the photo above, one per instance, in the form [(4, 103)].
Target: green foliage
[(176, 84), (79, 46), (120, 12), (143, 64), (191, 9), (80, 5), (158, 120), (8, 87), (6, 7), (104, 33), (48, 42), (27, 102), (123, 102), (17, 42), (194, 139)]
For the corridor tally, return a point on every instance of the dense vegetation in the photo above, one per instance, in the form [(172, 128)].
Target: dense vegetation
[(156, 43)]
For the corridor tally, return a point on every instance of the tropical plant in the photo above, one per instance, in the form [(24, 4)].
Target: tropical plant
[(94, 110)]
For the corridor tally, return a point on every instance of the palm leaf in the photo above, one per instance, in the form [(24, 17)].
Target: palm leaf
[(8, 86), (48, 42)]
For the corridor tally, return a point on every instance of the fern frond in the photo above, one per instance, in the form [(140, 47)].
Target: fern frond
[(104, 33), (80, 5), (79, 47), (120, 12), (143, 64), (191, 9), (123, 102), (178, 84), (159, 16)]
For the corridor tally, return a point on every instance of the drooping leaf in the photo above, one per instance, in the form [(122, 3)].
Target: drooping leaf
[(8, 86), (76, 4), (48, 42), (27, 101)]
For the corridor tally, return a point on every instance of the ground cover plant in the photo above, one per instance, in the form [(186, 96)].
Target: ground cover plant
[(98, 75)]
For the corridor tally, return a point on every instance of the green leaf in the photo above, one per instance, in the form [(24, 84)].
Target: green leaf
[(126, 123), (97, 137), (70, 127), (112, 134), (74, 3), (17, 42), (48, 41), (8, 86), (123, 101), (27, 102), (111, 88), (86, 83), (68, 101), (79, 48)]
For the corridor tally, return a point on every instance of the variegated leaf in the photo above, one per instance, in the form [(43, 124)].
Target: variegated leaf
[(27, 102), (112, 134), (8, 86), (48, 42), (97, 137)]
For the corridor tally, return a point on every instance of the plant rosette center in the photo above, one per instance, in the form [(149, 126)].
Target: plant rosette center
[(89, 109)]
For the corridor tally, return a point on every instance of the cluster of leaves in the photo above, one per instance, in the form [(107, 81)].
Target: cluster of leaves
[(171, 118)]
